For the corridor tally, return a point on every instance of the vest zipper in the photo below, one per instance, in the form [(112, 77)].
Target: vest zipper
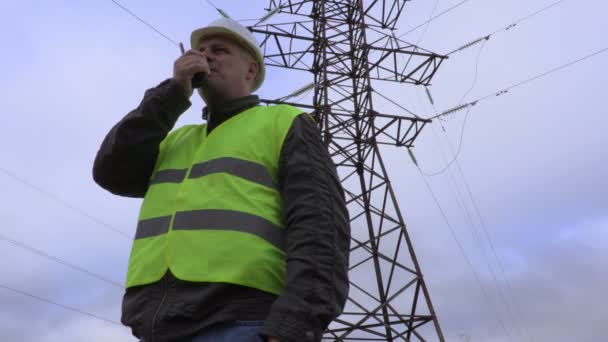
[(160, 304)]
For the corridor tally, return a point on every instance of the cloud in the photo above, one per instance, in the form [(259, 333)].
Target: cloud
[(46, 322), (553, 288), (535, 161)]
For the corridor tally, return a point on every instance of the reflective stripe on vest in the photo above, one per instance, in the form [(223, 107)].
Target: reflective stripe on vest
[(169, 176), (213, 212), (241, 168), (237, 167), (214, 219)]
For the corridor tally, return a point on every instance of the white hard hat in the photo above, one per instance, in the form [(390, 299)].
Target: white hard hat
[(237, 32)]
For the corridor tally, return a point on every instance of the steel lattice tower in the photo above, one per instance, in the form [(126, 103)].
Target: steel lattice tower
[(346, 45)]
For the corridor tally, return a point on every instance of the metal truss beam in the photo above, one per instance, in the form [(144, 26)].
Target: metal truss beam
[(345, 45)]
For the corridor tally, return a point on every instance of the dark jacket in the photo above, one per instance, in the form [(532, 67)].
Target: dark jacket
[(317, 231)]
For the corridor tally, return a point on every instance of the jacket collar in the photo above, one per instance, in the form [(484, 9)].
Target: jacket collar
[(217, 114)]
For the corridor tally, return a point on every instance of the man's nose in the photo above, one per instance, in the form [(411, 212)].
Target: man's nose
[(205, 54)]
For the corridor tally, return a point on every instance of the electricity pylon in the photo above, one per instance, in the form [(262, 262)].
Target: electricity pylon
[(346, 45)]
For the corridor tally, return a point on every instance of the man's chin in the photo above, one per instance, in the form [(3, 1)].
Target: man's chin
[(209, 91)]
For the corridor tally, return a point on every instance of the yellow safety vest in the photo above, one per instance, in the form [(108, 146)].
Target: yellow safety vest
[(213, 212)]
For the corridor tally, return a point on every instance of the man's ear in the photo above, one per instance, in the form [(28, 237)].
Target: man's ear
[(252, 71)]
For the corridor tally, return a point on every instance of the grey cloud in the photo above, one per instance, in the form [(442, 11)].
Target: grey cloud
[(535, 160)]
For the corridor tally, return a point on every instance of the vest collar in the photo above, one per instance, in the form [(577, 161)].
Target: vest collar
[(217, 114)]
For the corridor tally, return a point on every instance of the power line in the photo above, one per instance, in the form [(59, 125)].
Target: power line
[(476, 207), (546, 73), (395, 103), (124, 8), (60, 261), (447, 222), (64, 203), (303, 96), (484, 228), (492, 247), (431, 174), (469, 218), (506, 90), (483, 225), (474, 83), (506, 28), (60, 305), (219, 10), (435, 17), (426, 29), (461, 202), (448, 165), (522, 327), (144, 22), (518, 21)]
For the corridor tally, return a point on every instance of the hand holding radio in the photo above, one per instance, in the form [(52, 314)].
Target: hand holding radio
[(190, 70)]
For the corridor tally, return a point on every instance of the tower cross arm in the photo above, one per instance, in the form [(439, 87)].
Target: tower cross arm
[(395, 130)]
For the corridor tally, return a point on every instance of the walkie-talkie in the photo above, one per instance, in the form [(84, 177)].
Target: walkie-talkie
[(200, 78)]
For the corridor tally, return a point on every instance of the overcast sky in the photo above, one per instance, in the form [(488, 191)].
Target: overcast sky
[(535, 160)]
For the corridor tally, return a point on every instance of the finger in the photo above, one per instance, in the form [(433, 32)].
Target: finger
[(193, 62), (193, 68), (191, 57), (195, 53), (189, 62)]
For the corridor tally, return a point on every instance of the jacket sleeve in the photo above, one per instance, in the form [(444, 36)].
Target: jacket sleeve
[(318, 237), (126, 159)]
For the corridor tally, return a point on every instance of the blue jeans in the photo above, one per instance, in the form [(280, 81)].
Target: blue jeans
[(237, 331)]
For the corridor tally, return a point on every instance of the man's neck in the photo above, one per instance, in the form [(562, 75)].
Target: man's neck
[(221, 112), (215, 99)]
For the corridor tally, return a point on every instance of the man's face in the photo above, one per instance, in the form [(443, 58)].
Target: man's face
[(231, 70)]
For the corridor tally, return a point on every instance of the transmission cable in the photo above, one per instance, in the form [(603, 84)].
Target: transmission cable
[(474, 83), (144, 22), (426, 29), (435, 17), (546, 73), (462, 204), (219, 10), (518, 21), (448, 165), (506, 28), (472, 268), (61, 305), (396, 104), (57, 260), (460, 197), (506, 90), (491, 243), (64, 203), (484, 227), (464, 122)]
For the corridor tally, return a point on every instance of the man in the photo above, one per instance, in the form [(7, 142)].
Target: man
[(243, 234)]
